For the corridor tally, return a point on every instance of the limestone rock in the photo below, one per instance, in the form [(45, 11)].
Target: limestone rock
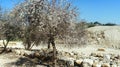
[(87, 63), (99, 55), (69, 61), (96, 64), (106, 58), (101, 49), (93, 54), (18, 52), (37, 54), (105, 65), (78, 62), (114, 65)]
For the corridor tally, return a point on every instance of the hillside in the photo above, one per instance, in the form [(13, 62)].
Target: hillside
[(104, 35)]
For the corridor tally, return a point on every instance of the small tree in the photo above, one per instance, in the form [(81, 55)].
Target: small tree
[(9, 33), (5, 32), (8, 30), (44, 20)]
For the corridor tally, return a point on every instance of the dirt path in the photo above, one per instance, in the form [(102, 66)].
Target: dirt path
[(5, 59)]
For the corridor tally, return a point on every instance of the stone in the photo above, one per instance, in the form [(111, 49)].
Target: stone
[(22, 53), (113, 65), (75, 56), (18, 52), (106, 58), (69, 61), (101, 49), (87, 63), (100, 55), (59, 53), (61, 62), (111, 62), (78, 62), (118, 62), (37, 54), (72, 54), (40, 66), (117, 56), (93, 54), (75, 53), (93, 58), (67, 54), (63, 53), (112, 57), (31, 56), (96, 64), (105, 65), (29, 52)]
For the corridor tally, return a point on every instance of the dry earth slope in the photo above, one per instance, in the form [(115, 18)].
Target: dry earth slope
[(104, 35)]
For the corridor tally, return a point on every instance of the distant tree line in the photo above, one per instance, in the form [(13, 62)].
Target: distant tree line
[(85, 24)]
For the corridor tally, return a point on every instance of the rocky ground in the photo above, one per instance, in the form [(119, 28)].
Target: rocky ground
[(87, 56)]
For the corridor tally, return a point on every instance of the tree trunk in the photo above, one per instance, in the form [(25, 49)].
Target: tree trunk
[(28, 45), (54, 51), (54, 56), (32, 45), (5, 45)]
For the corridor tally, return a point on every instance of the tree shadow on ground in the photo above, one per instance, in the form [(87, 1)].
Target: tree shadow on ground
[(7, 50), (27, 62)]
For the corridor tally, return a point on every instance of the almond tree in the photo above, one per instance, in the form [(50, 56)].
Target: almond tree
[(44, 20)]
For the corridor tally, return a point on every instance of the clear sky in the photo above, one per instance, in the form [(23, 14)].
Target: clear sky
[(103, 11), (8, 4)]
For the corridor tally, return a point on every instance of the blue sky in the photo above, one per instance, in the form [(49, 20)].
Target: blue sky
[(104, 11), (9, 4)]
